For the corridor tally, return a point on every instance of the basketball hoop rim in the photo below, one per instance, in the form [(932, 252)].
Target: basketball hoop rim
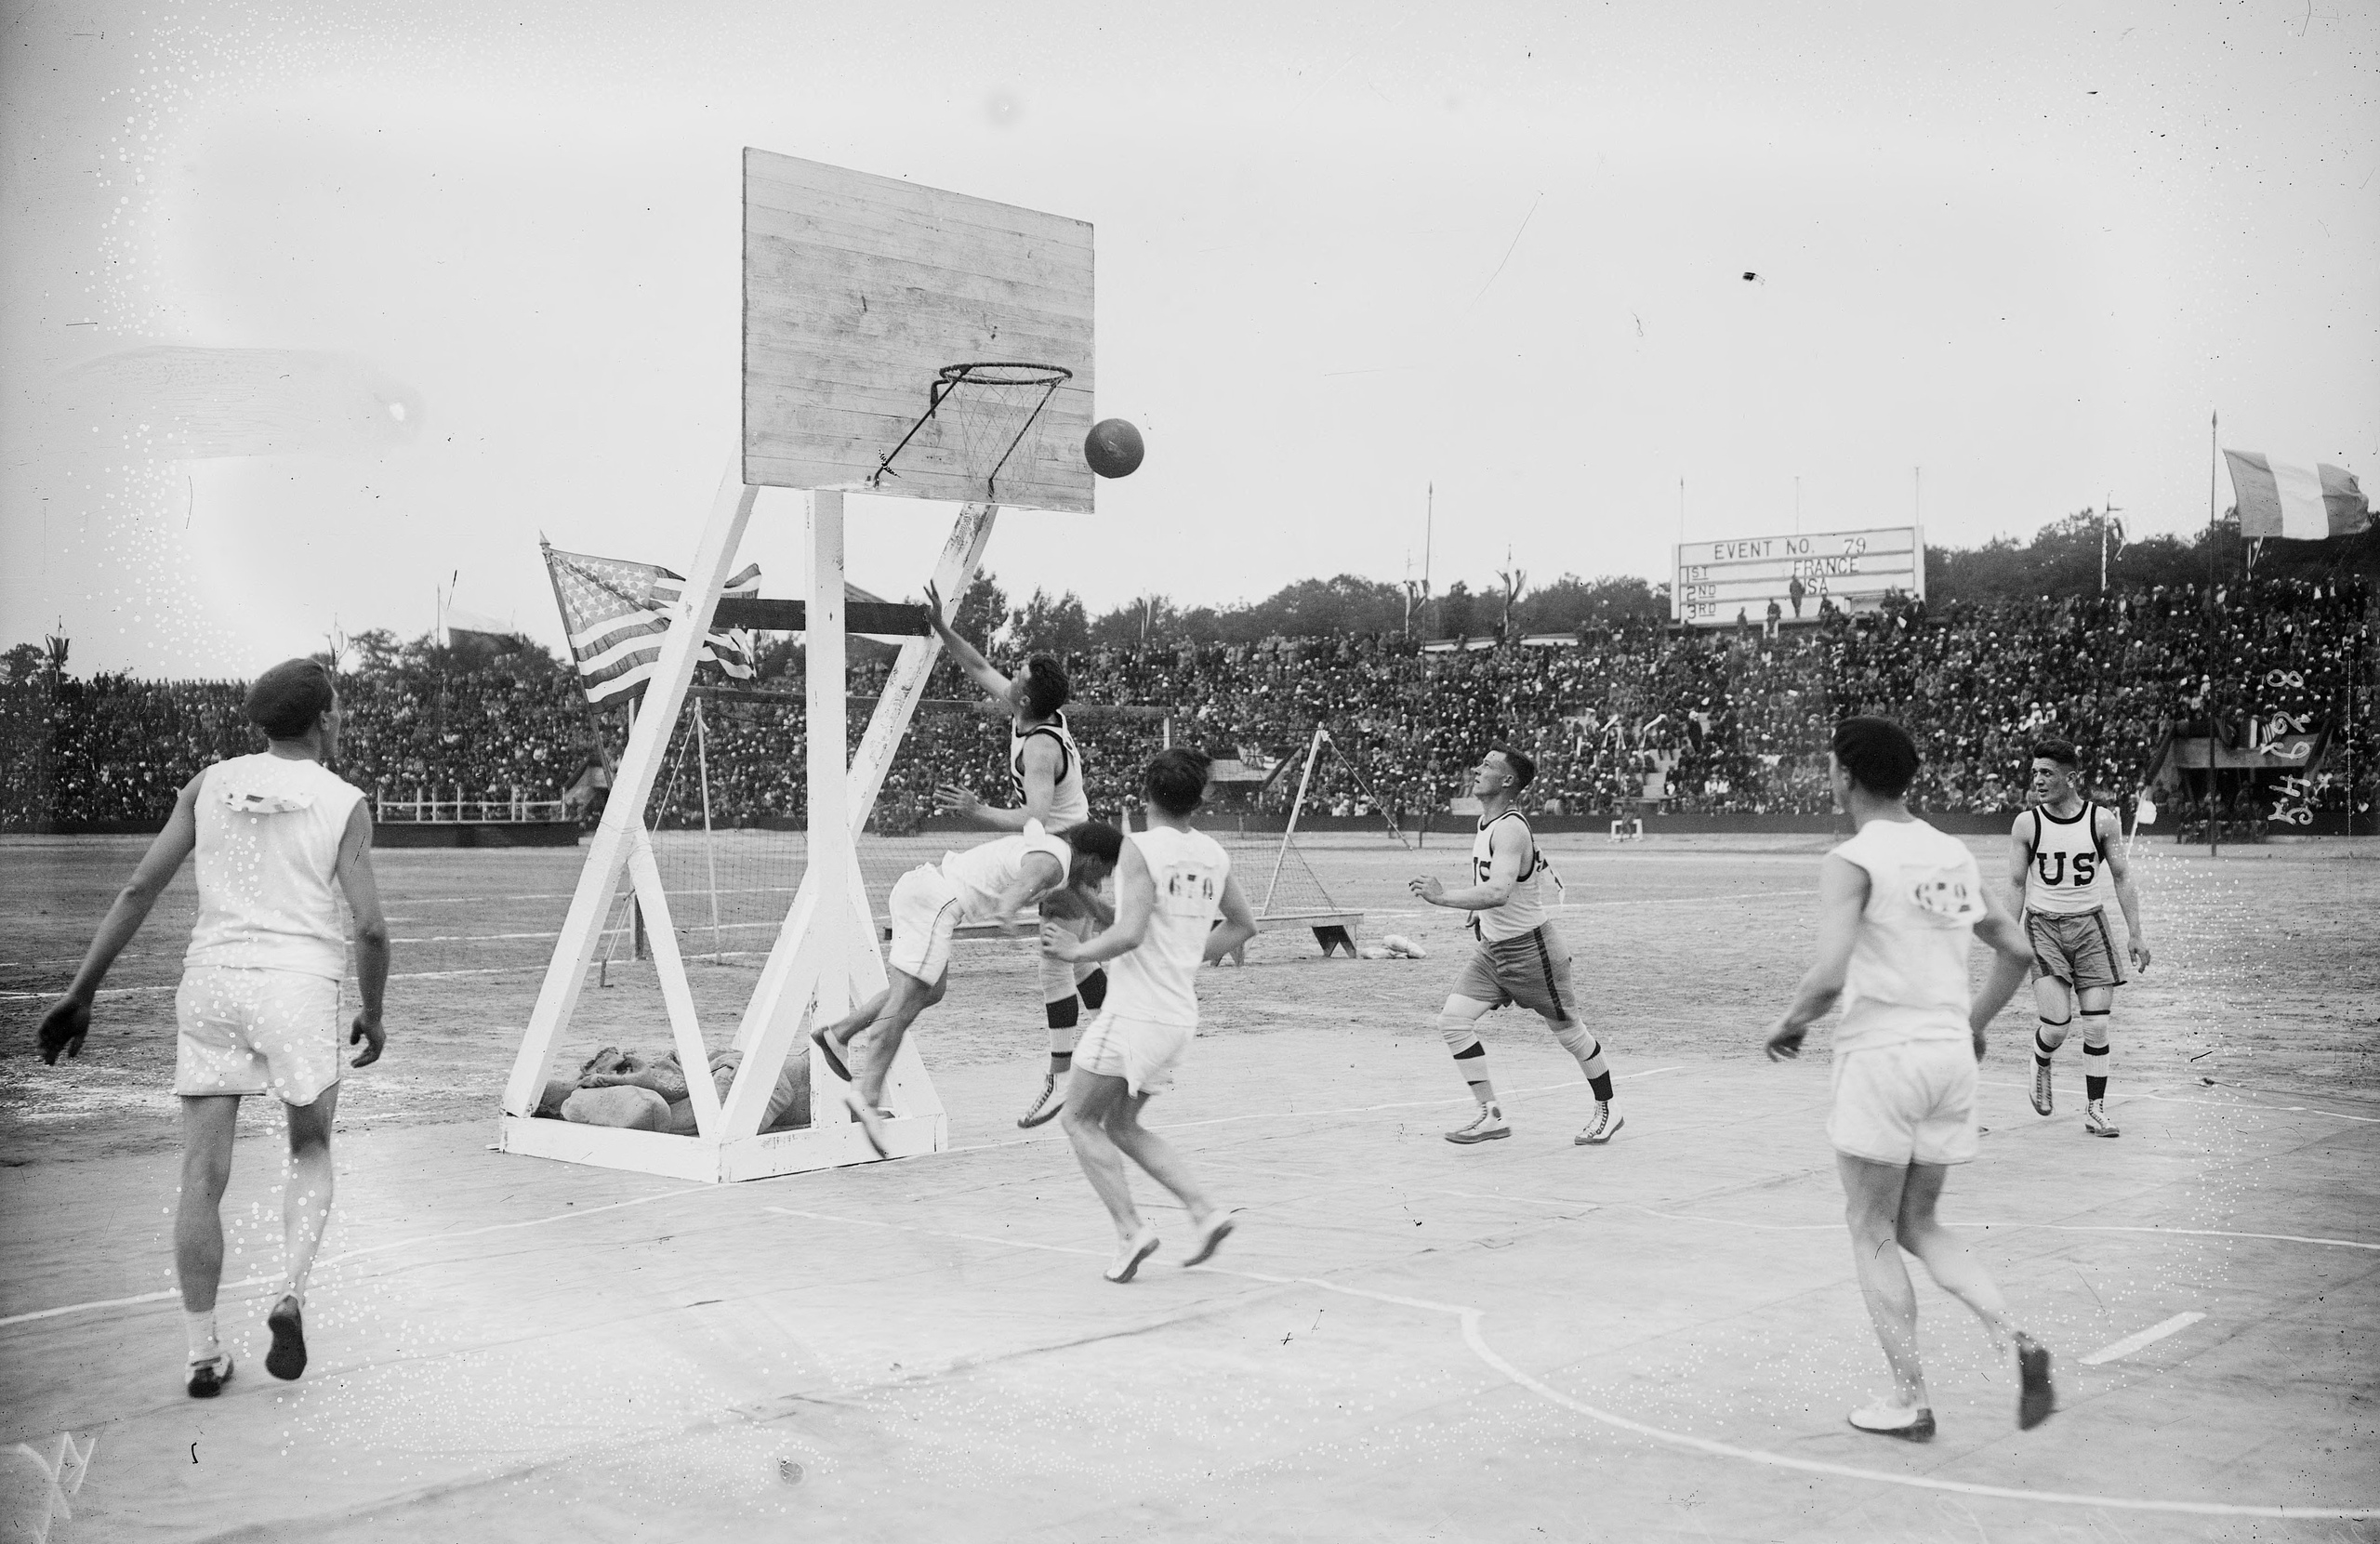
[(1004, 373)]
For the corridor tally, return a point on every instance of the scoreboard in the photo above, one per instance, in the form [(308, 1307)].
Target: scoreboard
[(1853, 569)]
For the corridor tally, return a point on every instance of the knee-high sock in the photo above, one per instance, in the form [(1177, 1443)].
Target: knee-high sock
[(1469, 1056), (1589, 1052), (2094, 1047), (1065, 1018)]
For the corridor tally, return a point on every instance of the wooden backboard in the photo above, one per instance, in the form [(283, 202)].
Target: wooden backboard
[(858, 289)]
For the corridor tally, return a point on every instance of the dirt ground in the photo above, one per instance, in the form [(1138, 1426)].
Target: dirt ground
[(1406, 1340), (2264, 971)]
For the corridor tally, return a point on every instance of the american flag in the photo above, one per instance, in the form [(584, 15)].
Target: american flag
[(616, 614)]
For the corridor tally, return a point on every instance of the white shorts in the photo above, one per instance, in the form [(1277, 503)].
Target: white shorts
[(1140, 1051), (254, 1032), (925, 913), (1909, 1102)]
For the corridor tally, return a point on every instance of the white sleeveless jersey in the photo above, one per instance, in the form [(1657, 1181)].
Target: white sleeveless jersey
[(269, 829), (1908, 975), (981, 875), (1159, 981), (1069, 805), (2069, 873), (1524, 910)]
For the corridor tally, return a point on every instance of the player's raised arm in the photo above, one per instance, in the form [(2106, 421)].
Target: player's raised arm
[(984, 674), (1843, 897), (363, 888), (69, 1019), (2109, 830)]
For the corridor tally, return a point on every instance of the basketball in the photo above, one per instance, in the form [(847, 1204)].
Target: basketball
[(1113, 448)]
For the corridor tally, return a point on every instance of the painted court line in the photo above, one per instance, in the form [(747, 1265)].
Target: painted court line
[(433, 1239), (2155, 1097), (2149, 1336), (1471, 1318)]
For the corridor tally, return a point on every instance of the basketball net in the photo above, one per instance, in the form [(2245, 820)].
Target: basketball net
[(976, 418)]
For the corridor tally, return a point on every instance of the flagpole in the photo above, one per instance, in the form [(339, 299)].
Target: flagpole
[(710, 854), (1429, 527), (2215, 457)]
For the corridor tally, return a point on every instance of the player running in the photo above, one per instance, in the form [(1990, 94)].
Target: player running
[(1520, 959), (1171, 889), (2064, 865), (1898, 906), (983, 884), (279, 837), (1045, 766)]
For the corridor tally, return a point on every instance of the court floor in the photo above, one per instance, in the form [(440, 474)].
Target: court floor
[(1406, 1340)]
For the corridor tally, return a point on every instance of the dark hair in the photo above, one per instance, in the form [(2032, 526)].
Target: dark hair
[(1878, 754), (1093, 839), (2061, 751), (1046, 688), (289, 699), (1523, 765), (1176, 780)]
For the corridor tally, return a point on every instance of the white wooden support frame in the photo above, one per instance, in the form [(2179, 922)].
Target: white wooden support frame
[(826, 959)]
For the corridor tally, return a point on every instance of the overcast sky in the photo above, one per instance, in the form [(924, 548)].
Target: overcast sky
[(1343, 252)]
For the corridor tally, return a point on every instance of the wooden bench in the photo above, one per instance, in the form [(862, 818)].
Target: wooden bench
[(1332, 930)]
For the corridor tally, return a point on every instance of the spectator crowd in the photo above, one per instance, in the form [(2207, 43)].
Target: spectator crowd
[(1721, 720)]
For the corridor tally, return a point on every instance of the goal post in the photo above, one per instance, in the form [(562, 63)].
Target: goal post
[(824, 958), (1294, 896)]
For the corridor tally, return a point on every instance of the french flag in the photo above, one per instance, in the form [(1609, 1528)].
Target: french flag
[(2295, 501)]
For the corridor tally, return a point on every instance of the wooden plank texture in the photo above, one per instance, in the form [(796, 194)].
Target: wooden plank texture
[(858, 288), (791, 616)]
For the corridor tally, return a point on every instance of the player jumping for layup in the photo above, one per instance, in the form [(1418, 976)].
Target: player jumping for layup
[(2064, 868), (986, 883), (1047, 768), (1520, 959)]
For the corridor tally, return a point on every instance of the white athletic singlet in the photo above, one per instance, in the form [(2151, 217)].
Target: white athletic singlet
[(1524, 910), (1069, 805), (2069, 873), (982, 875), (1908, 978), (1159, 981), (269, 829)]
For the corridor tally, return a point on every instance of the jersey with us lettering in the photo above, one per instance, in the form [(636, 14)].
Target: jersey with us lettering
[(2069, 877)]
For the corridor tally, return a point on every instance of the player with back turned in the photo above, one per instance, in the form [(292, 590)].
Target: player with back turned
[(1177, 907), (279, 840), (1899, 907)]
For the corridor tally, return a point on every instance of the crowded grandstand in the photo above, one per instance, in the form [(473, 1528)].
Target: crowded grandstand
[(1624, 712)]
